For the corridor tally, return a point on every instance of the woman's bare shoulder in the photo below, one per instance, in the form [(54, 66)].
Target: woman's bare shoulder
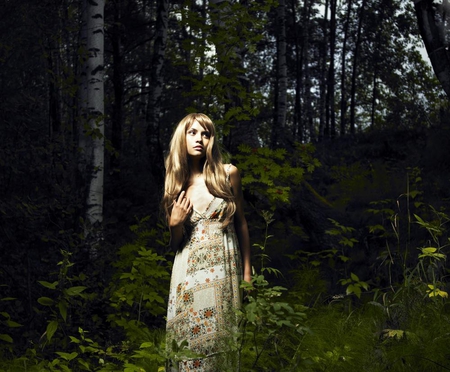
[(230, 168)]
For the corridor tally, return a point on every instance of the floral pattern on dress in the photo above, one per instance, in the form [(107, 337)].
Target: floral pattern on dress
[(204, 288)]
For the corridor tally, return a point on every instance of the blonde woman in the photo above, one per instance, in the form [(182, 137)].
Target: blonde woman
[(204, 207)]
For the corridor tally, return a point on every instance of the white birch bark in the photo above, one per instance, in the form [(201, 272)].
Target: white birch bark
[(92, 132)]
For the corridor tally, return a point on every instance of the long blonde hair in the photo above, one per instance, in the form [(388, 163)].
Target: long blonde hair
[(178, 168)]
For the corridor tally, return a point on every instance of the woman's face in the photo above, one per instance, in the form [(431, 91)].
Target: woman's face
[(197, 140)]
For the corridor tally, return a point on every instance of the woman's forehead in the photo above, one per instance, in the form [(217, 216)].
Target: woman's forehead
[(197, 125)]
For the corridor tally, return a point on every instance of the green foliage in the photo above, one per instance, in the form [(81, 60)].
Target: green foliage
[(216, 47), (141, 288), (65, 297), (354, 285), (136, 293), (273, 174), (179, 352), (266, 317), (6, 322), (344, 235), (140, 283), (402, 327)]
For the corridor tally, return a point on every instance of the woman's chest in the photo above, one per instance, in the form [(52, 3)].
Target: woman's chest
[(199, 196)]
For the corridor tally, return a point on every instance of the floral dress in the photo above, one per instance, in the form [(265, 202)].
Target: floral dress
[(204, 288)]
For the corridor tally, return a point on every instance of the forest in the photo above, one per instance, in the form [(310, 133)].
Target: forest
[(336, 114)]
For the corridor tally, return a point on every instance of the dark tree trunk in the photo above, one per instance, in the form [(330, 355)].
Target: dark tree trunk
[(278, 130), (331, 71), (156, 90), (343, 71), (308, 111), (297, 129), (118, 86), (355, 70), (437, 49), (323, 79)]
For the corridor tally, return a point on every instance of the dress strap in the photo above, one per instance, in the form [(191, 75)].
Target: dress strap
[(227, 170)]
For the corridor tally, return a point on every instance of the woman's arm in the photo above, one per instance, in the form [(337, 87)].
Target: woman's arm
[(181, 209), (240, 223)]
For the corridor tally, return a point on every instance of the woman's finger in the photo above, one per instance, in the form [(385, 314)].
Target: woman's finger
[(181, 196)]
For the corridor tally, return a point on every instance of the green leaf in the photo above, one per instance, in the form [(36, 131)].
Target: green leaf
[(46, 301), (146, 344), (51, 329), (48, 284), (67, 356), (393, 333), (5, 314), (429, 250), (13, 324), (74, 340), (84, 364), (354, 289), (375, 228), (74, 291), (344, 258), (364, 285), (414, 193), (6, 338), (62, 305)]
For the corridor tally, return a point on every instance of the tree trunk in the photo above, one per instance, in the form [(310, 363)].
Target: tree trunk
[(343, 71), (92, 130), (323, 79), (308, 80), (156, 88), (118, 88), (374, 98), (355, 69), (432, 29), (281, 99), (331, 70), (297, 130)]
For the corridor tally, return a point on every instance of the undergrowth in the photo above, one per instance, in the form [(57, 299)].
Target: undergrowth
[(396, 319)]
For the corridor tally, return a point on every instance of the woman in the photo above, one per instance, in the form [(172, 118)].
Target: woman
[(204, 207)]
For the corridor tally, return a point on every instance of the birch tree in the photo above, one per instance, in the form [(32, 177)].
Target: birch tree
[(92, 130)]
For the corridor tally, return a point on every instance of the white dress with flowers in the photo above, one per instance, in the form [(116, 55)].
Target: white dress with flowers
[(204, 288)]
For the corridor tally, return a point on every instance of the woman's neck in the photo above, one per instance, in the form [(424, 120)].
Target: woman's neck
[(196, 167)]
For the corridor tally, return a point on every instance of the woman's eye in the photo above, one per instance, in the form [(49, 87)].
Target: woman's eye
[(206, 134)]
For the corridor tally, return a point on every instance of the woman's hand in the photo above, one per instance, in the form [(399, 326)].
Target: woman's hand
[(182, 208)]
